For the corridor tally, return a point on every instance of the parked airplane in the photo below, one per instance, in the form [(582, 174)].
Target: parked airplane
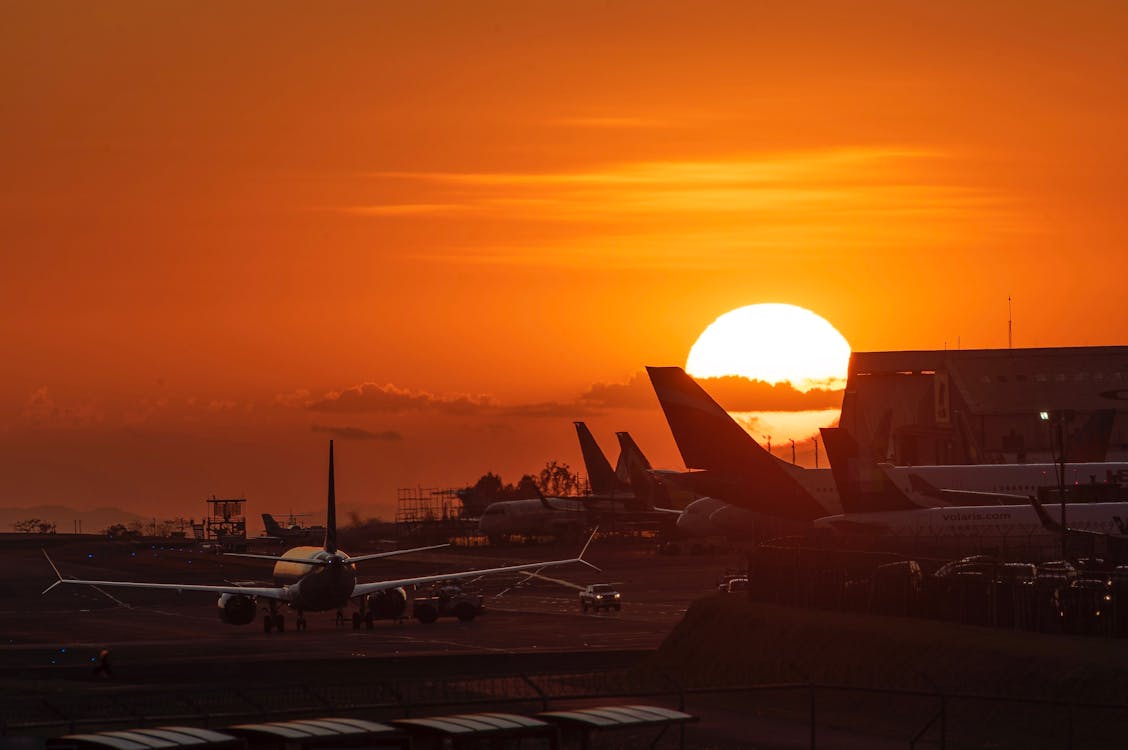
[(604, 481), (275, 530), (759, 495), (614, 497), (865, 485), (962, 530), (317, 579)]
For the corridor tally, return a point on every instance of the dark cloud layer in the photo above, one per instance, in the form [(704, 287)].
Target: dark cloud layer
[(733, 393), (373, 398)]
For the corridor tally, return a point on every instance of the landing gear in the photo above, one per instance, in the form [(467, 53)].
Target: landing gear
[(300, 624), (274, 621), (340, 618), (356, 620), (369, 620), (280, 623)]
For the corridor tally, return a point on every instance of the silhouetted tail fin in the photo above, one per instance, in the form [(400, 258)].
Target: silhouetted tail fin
[(1089, 444), (862, 486), (600, 476), (331, 513), (633, 470), (270, 525), (709, 438)]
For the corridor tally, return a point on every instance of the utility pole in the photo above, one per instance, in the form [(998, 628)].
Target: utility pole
[(815, 440), (792, 451), (1057, 430)]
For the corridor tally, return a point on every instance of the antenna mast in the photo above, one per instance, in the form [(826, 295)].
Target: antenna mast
[(1010, 325)]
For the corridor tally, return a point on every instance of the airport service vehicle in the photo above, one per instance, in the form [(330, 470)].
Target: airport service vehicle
[(317, 579), (600, 596), (447, 600)]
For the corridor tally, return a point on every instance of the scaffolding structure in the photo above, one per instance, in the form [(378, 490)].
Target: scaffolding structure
[(224, 525), (415, 505)]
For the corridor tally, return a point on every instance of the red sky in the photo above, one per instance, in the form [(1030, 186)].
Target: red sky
[(214, 215)]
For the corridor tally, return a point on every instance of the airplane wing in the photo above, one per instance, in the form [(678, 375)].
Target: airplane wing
[(362, 558), (362, 589), (267, 592), (316, 561)]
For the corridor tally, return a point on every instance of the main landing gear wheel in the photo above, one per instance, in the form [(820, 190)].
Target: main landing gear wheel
[(267, 623), (300, 623), (280, 623)]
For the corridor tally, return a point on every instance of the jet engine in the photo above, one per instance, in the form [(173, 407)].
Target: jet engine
[(237, 609), (387, 605)]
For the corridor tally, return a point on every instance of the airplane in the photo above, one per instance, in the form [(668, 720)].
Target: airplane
[(318, 579), (1020, 530), (748, 488), (750, 492), (866, 485), (613, 497), (275, 530)]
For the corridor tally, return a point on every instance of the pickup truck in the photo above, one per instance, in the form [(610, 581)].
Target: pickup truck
[(600, 595)]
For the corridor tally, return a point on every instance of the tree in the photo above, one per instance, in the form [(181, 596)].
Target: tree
[(28, 525), (558, 479)]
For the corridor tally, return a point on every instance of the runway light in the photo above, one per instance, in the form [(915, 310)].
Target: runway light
[(1045, 415)]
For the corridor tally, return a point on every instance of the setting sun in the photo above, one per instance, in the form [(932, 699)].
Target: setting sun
[(774, 343)]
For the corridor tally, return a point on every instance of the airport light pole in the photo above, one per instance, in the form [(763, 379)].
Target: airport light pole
[(1056, 420)]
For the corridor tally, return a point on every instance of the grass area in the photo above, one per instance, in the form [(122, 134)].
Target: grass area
[(730, 640)]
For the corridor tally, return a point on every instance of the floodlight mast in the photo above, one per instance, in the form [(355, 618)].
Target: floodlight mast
[(1057, 420)]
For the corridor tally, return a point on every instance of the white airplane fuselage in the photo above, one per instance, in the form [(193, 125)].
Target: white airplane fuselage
[(981, 520)]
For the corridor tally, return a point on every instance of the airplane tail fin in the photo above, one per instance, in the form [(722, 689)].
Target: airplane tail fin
[(600, 476), (270, 525), (1089, 444), (709, 438), (633, 470), (862, 486), (331, 513)]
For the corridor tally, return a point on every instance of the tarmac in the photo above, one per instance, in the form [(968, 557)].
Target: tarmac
[(161, 641)]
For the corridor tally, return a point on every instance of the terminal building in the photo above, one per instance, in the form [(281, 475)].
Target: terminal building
[(977, 406)]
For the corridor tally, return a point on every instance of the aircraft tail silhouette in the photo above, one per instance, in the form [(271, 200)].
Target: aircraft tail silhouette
[(1089, 443), (862, 486), (272, 527), (600, 475), (737, 469), (331, 512)]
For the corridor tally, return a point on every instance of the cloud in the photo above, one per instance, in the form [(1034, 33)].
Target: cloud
[(735, 394), (634, 394), (41, 410), (388, 399), (705, 213), (548, 409), (741, 394), (357, 433)]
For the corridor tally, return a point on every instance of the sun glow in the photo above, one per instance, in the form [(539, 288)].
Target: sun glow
[(774, 343)]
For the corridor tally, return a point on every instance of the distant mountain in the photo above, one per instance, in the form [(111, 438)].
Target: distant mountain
[(66, 519)]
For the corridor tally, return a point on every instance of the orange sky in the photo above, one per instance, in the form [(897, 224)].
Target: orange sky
[(212, 215)]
